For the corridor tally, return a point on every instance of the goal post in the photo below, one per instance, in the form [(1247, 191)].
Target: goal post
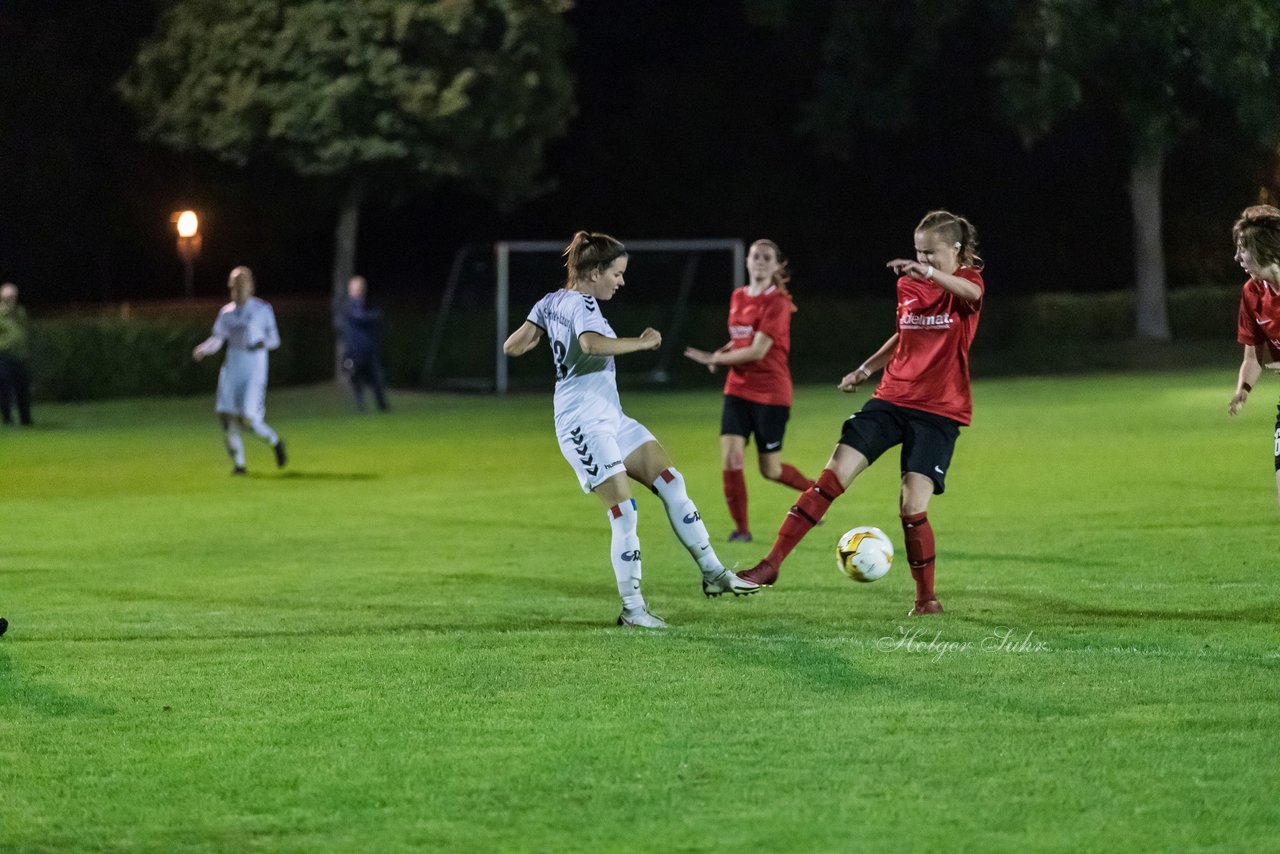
[(671, 272)]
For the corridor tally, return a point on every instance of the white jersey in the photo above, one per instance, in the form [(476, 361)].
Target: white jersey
[(595, 435), (247, 326), (586, 385), (249, 331)]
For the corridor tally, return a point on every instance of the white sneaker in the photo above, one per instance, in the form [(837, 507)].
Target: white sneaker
[(641, 618), (721, 580)]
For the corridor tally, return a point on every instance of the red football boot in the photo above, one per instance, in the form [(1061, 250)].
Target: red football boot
[(925, 607), (764, 573)]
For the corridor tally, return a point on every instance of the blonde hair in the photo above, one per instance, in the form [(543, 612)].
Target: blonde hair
[(957, 230), (1258, 231), (588, 252)]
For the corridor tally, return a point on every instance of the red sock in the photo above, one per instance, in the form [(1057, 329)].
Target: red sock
[(920, 552), (809, 508), (735, 495), (791, 477)]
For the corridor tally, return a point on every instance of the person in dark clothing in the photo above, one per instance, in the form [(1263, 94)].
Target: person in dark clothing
[(15, 377), (361, 329)]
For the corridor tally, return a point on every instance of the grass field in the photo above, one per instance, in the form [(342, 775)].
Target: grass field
[(403, 642)]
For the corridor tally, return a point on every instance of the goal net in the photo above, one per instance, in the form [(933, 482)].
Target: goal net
[(491, 288)]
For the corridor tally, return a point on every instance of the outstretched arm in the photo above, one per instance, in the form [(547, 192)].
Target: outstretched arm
[(522, 340), (207, 347), (595, 344), (957, 285), (727, 356), (863, 372)]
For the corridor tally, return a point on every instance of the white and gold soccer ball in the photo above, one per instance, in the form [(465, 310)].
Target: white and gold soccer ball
[(864, 554)]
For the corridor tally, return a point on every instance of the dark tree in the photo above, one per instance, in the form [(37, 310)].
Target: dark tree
[(366, 96)]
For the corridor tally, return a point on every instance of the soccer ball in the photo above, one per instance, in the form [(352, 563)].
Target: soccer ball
[(864, 554)]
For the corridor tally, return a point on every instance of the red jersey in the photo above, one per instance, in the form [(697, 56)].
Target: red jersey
[(766, 380), (930, 369), (1259, 320)]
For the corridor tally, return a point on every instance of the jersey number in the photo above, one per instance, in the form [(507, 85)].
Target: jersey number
[(559, 351)]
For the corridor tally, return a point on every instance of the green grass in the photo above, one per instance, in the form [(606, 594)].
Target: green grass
[(403, 642)]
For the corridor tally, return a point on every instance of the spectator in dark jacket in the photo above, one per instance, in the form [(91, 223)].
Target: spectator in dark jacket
[(361, 330)]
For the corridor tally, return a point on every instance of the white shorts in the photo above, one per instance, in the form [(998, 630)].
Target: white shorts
[(596, 449), (242, 392)]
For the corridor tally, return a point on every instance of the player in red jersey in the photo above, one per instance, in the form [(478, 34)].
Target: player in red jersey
[(1257, 235), (921, 403), (757, 391)]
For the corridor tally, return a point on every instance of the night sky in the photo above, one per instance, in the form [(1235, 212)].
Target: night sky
[(688, 126)]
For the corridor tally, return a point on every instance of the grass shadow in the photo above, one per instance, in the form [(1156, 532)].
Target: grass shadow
[(318, 475), (17, 690), (1266, 613)]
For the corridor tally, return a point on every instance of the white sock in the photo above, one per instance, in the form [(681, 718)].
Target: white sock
[(685, 519), (235, 444), (624, 552), (263, 430)]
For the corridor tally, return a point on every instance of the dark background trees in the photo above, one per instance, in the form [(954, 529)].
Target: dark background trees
[(721, 118), (367, 98)]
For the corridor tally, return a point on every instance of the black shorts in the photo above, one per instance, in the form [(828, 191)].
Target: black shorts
[(927, 440), (768, 422)]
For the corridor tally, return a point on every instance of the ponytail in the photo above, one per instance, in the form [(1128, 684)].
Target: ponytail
[(588, 252), (955, 229)]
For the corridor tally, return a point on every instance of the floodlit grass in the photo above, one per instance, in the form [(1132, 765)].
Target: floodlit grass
[(403, 642)]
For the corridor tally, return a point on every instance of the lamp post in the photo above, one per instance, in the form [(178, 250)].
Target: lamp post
[(189, 241)]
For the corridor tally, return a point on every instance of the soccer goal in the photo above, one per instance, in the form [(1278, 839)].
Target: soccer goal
[(662, 277)]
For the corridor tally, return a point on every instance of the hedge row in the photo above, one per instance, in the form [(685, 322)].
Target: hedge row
[(83, 356), (131, 354)]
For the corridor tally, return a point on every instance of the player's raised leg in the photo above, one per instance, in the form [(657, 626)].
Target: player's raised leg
[(651, 465), (773, 468), (255, 416), (845, 465)]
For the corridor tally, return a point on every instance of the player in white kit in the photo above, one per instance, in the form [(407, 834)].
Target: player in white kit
[(247, 325), (602, 444)]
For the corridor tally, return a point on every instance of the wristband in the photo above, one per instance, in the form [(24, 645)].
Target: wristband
[(1246, 387), (928, 274)]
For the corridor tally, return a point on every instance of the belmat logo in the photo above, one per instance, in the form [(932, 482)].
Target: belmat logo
[(924, 321)]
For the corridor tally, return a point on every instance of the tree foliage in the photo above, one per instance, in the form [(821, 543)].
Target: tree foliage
[(383, 88), (1154, 65), (387, 90), (884, 65), (1157, 69), (369, 95)]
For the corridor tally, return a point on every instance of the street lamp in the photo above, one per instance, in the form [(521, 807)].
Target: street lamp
[(189, 241)]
